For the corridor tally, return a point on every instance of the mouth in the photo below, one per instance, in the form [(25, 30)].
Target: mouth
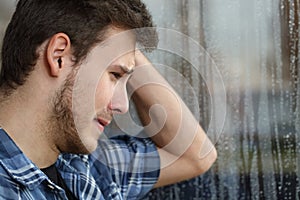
[(102, 123)]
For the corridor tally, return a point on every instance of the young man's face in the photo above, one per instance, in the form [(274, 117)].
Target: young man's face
[(94, 93)]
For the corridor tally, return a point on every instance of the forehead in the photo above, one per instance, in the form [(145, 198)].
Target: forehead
[(117, 48), (119, 36), (120, 44)]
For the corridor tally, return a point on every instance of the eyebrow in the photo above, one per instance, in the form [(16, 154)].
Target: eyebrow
[(126, 69)]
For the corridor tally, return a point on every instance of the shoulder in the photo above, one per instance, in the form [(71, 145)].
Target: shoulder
[(12, 162), (127, 143), (125, 150), (9, 188), (132, 163)]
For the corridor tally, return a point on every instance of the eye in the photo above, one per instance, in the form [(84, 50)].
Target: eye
[(116, 75)]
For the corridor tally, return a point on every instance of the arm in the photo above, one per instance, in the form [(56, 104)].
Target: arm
[(184, 148)]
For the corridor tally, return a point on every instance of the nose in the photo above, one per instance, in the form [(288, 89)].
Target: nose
[(119, 103)]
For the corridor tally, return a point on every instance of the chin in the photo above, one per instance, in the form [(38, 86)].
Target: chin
[(90, 147), (80, 144), (81, 147), (90, 142)]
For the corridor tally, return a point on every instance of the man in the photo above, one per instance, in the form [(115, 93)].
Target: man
[(66, 68)]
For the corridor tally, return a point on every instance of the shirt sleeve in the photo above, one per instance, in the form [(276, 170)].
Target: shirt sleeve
[(132, 163)]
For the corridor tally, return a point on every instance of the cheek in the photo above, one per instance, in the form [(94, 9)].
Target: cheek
[(104, 92)]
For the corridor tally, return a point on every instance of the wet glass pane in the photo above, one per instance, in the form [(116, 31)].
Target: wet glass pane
[(255, 47)]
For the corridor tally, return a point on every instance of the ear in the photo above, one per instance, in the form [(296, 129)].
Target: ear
[(58, 53)]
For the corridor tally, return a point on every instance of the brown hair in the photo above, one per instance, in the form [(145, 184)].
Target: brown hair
[(84, 21)]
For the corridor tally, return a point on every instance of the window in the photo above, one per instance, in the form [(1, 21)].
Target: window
[(255, 47)]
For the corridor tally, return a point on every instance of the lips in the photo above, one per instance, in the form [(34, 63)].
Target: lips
[(102, 119), (103, 122)]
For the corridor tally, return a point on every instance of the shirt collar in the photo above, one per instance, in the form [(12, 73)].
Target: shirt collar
[(17, 165)]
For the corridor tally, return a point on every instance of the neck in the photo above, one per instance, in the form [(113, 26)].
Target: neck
[(24, 118)]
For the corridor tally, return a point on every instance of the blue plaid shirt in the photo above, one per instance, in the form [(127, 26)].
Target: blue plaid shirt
[(121, 168)]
